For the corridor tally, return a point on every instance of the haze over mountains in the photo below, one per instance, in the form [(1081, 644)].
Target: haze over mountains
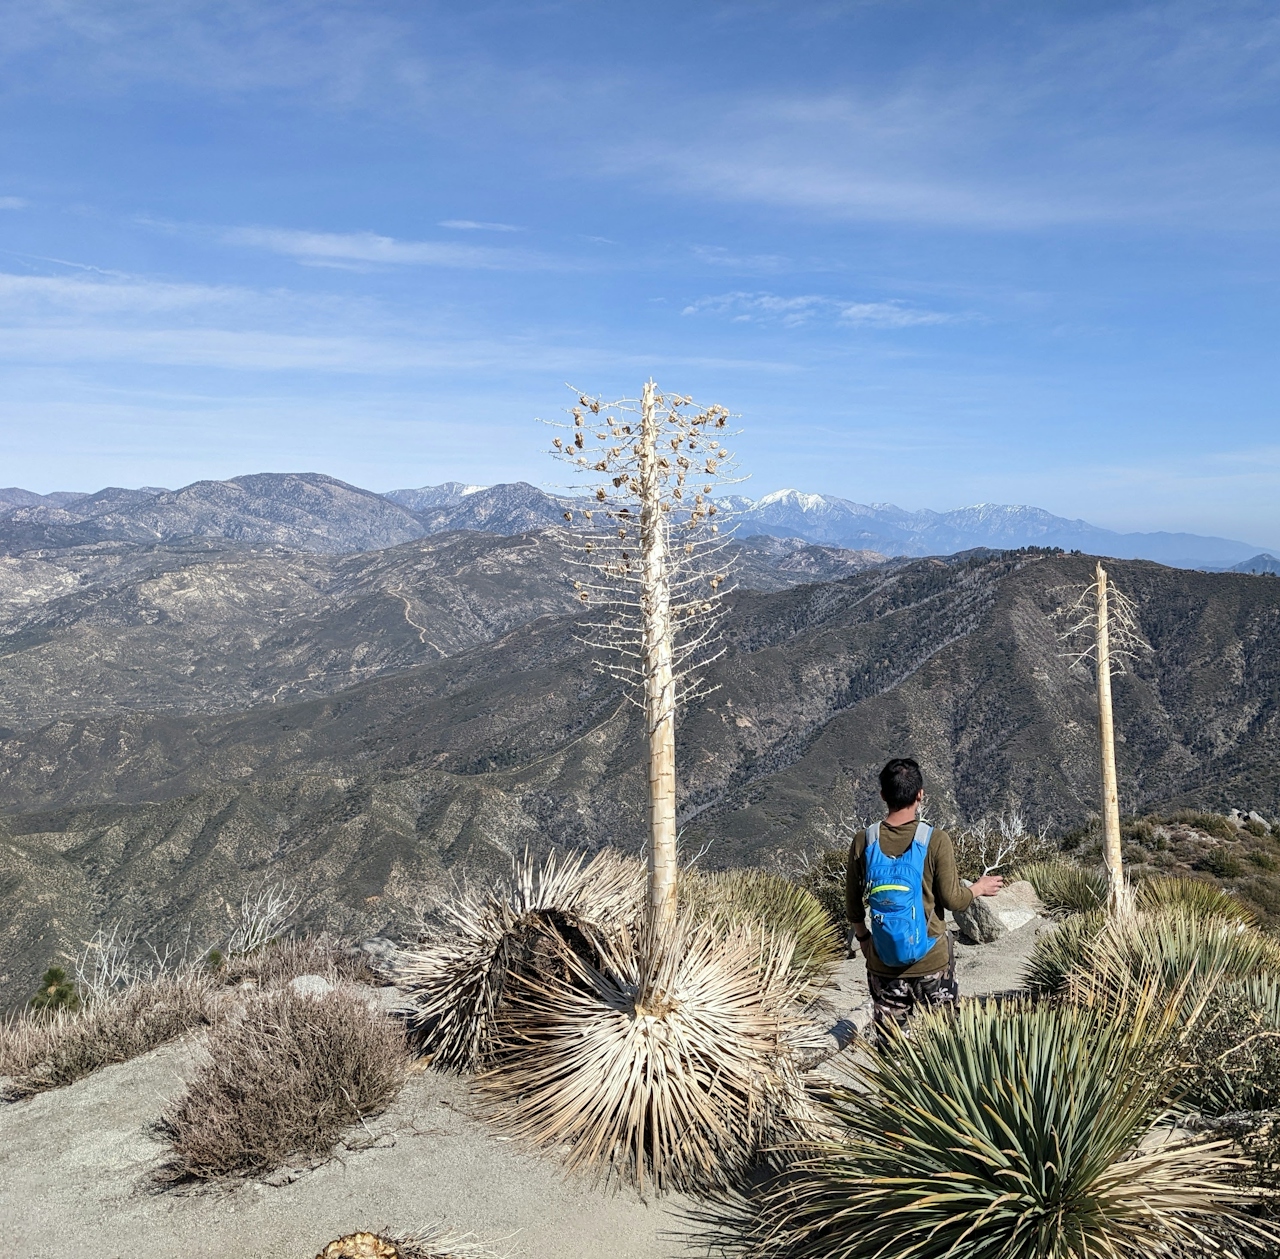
[(317, 513)]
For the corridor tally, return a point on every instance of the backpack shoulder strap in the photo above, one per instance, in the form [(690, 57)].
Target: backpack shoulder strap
[(873, 834), (924, 832)]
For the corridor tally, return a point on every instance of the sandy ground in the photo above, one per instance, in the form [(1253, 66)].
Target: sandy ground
[(74, 1167)]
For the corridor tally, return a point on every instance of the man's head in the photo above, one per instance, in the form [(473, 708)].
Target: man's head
[(901, 783)]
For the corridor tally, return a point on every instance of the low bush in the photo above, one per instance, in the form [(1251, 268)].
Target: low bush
[(283, 1080), (1195, 896), (40, 1051), (1170, 942), (731, 898), (1210, 823), (273, 964), (1009, 1131), (1221, 863)]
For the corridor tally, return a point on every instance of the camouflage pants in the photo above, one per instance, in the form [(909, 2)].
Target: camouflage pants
[(895, 998)]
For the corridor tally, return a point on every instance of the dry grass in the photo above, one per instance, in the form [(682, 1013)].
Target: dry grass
[(670, 1067), (456, 984), (283, 1080), (273, 964), (40, 1051)]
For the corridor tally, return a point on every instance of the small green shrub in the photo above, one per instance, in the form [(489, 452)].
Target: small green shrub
[(825, 878), (283, 1081), (1197, 897), (1210, 823), (57, 992), (1259, 830), (1263, 859), (1221, 863), (1059, 952)]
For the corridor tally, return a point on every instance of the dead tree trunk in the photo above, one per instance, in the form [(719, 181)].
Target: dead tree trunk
[(1118, 893), (659, 675)]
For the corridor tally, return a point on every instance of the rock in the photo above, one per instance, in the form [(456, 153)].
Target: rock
[(379, 953), (1257, 817), (990, 917), (310, 985), (1016, 904), (979, 923)]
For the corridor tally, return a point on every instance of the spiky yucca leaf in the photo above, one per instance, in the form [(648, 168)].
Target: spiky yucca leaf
[(455, 985), (1166, 944), (731, 898), (1194, 896), (667, 1063), (1000, 1132), (1060, 951), (1065, 887)]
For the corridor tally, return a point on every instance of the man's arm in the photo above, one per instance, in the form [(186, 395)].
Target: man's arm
[(949, 892)]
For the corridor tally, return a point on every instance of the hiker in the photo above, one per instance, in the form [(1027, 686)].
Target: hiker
[(905, 871)]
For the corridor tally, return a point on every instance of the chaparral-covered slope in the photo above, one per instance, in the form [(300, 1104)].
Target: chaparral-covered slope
[(371, 799)]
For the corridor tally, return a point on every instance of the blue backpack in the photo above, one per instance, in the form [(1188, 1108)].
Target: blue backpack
[(895, 896)]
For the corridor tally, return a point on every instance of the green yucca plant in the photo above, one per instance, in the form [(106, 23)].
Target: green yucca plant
[(731, 898), (683, 1093), (1011, 1131), (1065, 887), (1168, 943), (455, 984), (57, 992), (1196, 896)]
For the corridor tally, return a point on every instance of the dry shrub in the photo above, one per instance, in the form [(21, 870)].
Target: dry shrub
[(40, 1051), (456, 984), (281, 1081), (668, 1065), (272, 965)]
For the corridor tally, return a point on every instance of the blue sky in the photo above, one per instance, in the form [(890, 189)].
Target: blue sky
[(933, 253)]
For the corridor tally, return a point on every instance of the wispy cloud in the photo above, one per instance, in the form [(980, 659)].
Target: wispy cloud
[(371, 249), (470, 225), (795, 312), (718, 256), (13, 203)]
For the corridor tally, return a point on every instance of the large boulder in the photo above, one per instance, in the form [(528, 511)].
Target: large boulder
[(990, 917)]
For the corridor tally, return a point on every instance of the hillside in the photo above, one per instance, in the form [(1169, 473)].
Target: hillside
[(208, 626), (371, 798)]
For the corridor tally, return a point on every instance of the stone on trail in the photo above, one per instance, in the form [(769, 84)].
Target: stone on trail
[(990, 917)]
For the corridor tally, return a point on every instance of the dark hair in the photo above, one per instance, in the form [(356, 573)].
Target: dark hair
[(900, 782)]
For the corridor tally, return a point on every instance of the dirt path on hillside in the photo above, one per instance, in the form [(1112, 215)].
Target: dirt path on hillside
[(74, 1166)]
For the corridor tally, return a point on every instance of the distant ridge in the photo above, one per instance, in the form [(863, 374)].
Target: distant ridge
[(1264, 563), (308, 511)]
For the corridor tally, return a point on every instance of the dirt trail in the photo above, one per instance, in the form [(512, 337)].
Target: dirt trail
[(74, 1165)]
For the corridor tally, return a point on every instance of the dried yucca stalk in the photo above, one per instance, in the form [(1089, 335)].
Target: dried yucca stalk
[(455, 985), (681, 1094)]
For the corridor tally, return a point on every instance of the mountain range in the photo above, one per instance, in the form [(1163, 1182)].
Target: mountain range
[(316, 513)]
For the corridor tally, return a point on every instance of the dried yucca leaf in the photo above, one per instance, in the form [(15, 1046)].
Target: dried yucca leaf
[(668, 1064), (455, 984)]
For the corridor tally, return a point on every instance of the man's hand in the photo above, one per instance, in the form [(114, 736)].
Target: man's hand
[(988, 885), (863, 943)]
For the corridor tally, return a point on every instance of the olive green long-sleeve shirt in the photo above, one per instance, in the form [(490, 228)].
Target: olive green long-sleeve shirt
[(942, 890)]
